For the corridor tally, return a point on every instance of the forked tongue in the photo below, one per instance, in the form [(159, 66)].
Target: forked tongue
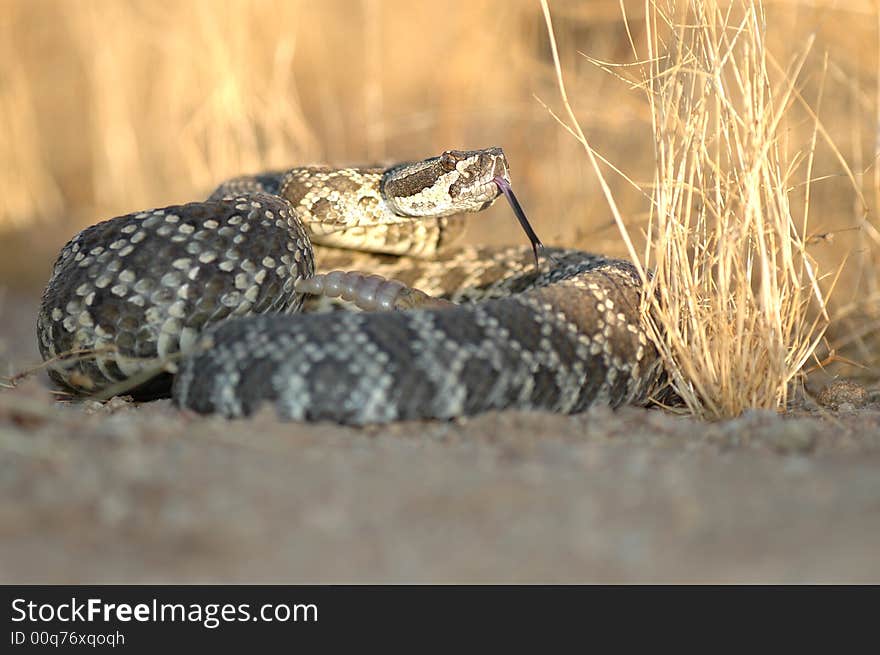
[(504, 186)]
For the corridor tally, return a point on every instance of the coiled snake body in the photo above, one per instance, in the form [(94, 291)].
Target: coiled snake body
[(212, 290)]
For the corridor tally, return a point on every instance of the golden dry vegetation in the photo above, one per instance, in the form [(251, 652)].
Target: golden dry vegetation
[(748, 145)]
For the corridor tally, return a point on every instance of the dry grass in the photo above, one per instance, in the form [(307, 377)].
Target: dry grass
[(730, 304), (734, 304), (107, 106), (125, 104)]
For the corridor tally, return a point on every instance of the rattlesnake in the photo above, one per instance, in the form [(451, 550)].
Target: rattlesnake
[(208, 290)]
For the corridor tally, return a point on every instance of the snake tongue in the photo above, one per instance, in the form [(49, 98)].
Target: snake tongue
[(504, 186)]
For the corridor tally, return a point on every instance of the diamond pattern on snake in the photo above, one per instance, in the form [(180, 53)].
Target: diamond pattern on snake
[(219, 302)]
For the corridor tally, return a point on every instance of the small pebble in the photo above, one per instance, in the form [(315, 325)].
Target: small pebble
[(843, 392)]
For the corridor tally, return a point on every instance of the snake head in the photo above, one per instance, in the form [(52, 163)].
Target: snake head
[(455, 182)]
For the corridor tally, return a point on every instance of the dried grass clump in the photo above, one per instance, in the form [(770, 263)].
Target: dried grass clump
[(734, 304)]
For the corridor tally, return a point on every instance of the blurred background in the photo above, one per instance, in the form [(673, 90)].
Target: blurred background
[(110, 106)]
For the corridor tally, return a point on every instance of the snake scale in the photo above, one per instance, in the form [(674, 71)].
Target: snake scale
[(204, 301)]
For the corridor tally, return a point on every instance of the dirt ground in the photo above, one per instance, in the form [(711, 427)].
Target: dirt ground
[(125, 493)]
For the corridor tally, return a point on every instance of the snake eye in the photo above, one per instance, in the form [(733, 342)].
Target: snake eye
[(448, 160)]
